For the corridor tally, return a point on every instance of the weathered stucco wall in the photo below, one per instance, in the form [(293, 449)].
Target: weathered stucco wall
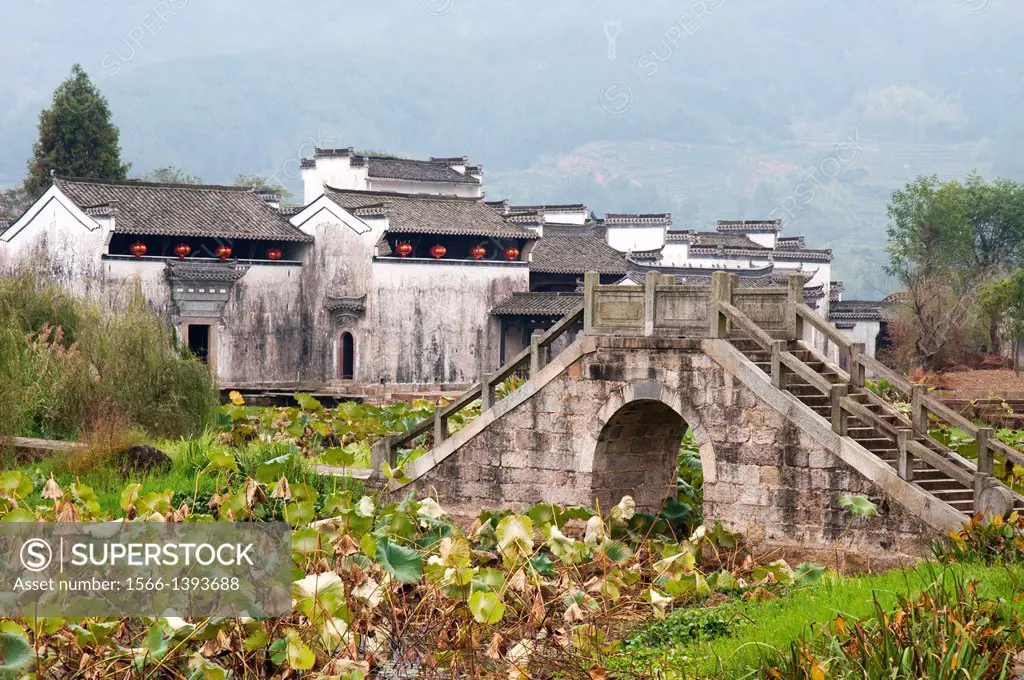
[(571, 442), (425, 322), (430, 321)]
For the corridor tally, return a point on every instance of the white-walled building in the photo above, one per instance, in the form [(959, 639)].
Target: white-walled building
[(393, 273), (356, 289), (346, 169)]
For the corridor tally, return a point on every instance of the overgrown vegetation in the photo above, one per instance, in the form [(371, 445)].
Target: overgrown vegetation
[(956, 248), (68, 366)]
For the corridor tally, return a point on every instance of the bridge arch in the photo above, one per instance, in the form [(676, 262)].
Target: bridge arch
[(633, 444)]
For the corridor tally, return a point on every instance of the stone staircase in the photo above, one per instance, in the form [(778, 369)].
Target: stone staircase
[(876, 430), (881, 428)]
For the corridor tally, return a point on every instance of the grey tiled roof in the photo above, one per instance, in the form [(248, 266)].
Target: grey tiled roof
[(791, 243), (835, 291), (181, 209), (421, 214), (538, 304), (713, 239), (576, 255), (738, 246), (409, 169), (750, 226), (205, 271), (857, 310), (340, 303)]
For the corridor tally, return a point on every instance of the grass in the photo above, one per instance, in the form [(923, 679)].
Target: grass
[(732, 639)]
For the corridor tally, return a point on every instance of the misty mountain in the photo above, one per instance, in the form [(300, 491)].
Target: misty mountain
[(812, 111)]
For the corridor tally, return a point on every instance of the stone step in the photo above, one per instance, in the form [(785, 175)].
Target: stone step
[(935, 485), (877, 444)]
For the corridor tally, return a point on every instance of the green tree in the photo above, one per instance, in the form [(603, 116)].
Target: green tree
[(171, 174), (262, 183), (950, 245), (76, 137), (961, 230), (13, 202), (1014, 318)]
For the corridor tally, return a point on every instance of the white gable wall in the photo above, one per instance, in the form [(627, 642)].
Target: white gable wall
[(561, 217), (766, 240), (632, 238), (675, 254), (56, 237)]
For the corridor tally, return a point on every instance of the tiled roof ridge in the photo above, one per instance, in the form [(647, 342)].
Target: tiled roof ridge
[(637, 217), (396, 194), (806, 254), (333, 153), (154, 185), (557, 207), (748, 225), (446, 160)]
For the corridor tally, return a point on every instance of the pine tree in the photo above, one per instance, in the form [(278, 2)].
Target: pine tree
[(76, 137)]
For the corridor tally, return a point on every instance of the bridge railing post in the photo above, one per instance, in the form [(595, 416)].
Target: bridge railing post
[(835, 396), (778, 368), (538, 355), (857, 373), (794, 322), (384, 451), (591, 280), (719, 293), (904, 458), (918, 413), (651, 282), (440, 426), (986, 463), (486, 392)]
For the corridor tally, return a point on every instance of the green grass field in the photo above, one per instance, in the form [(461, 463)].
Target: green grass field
[(730, 640)]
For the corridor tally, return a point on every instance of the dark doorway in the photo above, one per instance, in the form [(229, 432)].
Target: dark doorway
[(347, 367), (199, 340)]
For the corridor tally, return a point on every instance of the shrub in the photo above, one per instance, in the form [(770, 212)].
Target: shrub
[(985, 539), (108, 438), (65, 362)]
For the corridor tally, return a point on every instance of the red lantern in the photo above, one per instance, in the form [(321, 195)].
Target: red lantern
[(182, 250), (511, 254), (274, 254), (438, 251), (138, 249), (404, 249), (477, 252), (223, 252)]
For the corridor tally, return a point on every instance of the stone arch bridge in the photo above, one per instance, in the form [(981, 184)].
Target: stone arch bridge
[(783, 430)]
